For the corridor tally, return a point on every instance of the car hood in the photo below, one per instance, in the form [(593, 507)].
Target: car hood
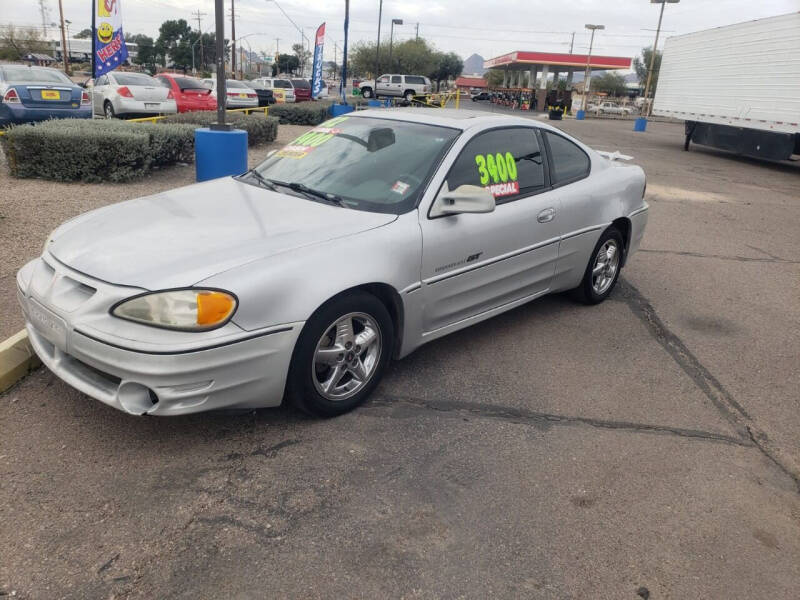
[(183, 236)]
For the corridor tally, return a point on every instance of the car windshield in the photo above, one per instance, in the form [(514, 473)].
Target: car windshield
[(33, 75), (134, 79), (301, 83), (371, 164)]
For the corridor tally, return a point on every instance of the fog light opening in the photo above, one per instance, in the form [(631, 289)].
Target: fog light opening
[(153, 397)]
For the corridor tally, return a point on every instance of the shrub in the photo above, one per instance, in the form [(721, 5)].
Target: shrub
[(95, 150), (260, 130), (70, 150), (304, 113)]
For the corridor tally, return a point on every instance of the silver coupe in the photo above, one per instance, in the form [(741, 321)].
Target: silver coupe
[(363, 239)]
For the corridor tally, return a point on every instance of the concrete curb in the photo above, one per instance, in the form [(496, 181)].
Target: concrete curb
[(17, 359)]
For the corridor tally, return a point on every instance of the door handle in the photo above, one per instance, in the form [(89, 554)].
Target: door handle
[(547, 215)]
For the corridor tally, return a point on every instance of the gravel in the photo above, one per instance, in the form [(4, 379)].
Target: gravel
[(31, 208)]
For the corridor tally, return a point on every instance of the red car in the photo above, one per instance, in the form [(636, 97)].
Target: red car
[(190, 93), (302, 90)]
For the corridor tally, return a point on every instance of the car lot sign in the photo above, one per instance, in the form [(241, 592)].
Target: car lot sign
[(316, 81), (108, 42)]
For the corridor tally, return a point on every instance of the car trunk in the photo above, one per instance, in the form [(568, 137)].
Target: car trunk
[(148, 93), (52, 96)]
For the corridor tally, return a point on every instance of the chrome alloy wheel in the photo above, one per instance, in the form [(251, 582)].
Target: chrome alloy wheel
[(346, 356), (605, 267)]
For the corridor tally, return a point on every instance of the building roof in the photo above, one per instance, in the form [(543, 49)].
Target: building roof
[(521, 58), (478, 82)]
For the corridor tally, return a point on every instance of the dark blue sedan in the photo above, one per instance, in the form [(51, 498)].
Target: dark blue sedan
[(30, 94)]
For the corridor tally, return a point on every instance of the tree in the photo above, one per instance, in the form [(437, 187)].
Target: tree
[(447, 66), (16, 42), (287, 63), (175, 40), (609, 82), (642, 64), (84, 34), (301, 54), (494, 78), (146, 53)]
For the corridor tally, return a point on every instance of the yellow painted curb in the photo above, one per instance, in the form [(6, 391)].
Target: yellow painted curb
[(17, 359)]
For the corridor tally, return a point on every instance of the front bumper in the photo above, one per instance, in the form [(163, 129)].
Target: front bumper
[(11, 114), (233, 370)]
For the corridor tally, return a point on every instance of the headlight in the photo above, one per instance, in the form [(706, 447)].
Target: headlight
[(188, 310)]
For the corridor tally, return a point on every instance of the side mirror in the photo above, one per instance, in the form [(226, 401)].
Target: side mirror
[(463, 199)]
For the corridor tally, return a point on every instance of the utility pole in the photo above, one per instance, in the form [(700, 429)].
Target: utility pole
[(233, 41), (199, 15), (416, 35), (572, 42), (587, 76), (378, 46), (219, 20), (64, 51), (648, 104), (43, 10)]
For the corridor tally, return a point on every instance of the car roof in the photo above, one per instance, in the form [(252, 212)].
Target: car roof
[(449, 117)]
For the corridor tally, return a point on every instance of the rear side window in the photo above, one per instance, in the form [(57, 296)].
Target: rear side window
[(569, 162), (414, 79), (397, 79), (507, 162)]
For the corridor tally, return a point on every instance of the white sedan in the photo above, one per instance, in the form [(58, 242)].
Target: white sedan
[(131, 94), (363, 239)]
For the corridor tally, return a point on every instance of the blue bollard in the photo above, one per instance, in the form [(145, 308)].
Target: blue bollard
[(219, 153), (340, 109), (640, 124), (580, 115)]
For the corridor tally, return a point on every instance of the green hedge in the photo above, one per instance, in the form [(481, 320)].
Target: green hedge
[(302, 113), (94, 150), (260, 130)]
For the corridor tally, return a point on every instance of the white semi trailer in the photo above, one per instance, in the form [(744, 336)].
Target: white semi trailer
[(737, 87)]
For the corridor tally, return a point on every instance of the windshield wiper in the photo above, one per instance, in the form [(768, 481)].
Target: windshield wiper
[(304, 189), (267, 183)]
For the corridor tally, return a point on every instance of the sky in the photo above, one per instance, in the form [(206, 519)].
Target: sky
[(486, 27)]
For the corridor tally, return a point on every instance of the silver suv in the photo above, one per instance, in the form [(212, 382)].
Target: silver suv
[(398, 86)]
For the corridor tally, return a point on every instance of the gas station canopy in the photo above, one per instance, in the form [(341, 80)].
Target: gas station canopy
[(539, 65)]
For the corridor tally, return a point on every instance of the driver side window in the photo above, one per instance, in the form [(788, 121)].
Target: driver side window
[(384, 79), (507, 162)]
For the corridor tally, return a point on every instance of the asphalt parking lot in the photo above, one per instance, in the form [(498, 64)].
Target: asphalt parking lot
[(643, 448)]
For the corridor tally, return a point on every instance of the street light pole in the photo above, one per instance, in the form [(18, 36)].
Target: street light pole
[(588, 75), (219, 17), (648, 104), (378, 46), (391, 39)]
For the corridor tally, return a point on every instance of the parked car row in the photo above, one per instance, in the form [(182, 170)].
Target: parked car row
[(30, 93)]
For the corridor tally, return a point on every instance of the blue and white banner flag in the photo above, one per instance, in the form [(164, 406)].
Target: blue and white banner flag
[(316, 69), (108, 40)]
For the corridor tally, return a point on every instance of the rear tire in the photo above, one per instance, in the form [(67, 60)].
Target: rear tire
[(340, 355), (108, 110), (602, 271), (366, 93)]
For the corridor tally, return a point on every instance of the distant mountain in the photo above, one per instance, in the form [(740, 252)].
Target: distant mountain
[(474, 65)]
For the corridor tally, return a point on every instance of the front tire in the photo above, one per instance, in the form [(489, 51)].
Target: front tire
[(340, 355), (409, 96), (603, 269)]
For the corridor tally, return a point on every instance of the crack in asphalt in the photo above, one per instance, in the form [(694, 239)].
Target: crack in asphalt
[(516, 415), (721, 398), (758, 259)]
